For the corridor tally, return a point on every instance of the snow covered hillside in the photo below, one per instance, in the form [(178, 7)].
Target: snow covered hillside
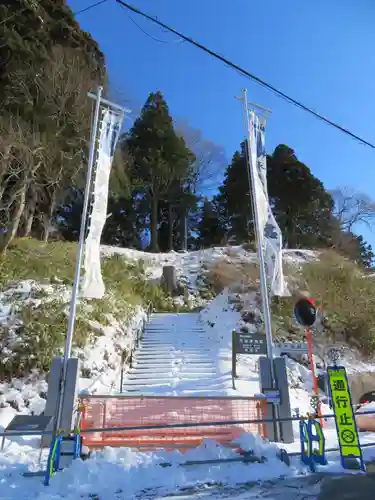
[(106, 331), (195, 358)]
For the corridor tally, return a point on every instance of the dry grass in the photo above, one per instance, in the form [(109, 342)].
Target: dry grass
[(225, 273), (347, 298), (40, 331)]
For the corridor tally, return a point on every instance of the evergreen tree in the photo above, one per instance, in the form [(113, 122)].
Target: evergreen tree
[(123, 225), (160, 157), (234, 199), (301, 205), (210, 230)]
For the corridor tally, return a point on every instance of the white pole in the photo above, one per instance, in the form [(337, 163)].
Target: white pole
[(73, 303), (186, 231), (263, 278)]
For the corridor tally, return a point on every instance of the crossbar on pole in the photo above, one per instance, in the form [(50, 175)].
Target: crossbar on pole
[(254, 105), (109, 103)]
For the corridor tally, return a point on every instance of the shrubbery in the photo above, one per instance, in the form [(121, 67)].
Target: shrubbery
[(38, 320), (346, 294)]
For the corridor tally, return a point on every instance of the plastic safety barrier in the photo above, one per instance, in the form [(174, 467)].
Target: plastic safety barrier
[(224, 413)]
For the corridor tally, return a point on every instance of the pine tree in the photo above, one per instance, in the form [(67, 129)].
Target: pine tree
[(210, 230), (160, 156), (234, 199), (301, 205)]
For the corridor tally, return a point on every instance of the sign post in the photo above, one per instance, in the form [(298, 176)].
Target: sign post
[(246, 343), (306, 315), (234, 359), (251, 343), (347, 433)]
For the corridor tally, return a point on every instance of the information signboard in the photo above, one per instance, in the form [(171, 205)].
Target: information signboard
[(251, 343)]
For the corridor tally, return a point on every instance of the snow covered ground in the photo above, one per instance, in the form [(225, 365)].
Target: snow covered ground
[(191, 264), (124, 474)]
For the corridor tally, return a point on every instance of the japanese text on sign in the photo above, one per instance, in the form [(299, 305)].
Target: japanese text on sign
[(344, 415), (251, 343)]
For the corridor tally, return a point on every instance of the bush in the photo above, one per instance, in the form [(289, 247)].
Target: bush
[(37, 331), (226, 273), (32, 260), (346, 295), (39, 336)]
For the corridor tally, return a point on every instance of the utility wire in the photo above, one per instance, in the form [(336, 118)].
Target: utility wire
[(145, 32), (247, 73), (89, 7), (74, 13)]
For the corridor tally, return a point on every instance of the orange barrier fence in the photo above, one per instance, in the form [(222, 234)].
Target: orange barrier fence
[(110, 412)]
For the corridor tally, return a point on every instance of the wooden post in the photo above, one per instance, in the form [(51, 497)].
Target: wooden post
[(170, 279)]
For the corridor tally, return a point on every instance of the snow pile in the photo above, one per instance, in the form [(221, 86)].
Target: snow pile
[(100, 357), (26, 396), (241, 312), (122, 473), (188, 264)]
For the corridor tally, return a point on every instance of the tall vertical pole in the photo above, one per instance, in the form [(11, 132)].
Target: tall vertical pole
[(73, 303), (315, 379), (185, 232), (263, 278)]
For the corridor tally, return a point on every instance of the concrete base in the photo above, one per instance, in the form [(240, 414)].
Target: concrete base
[(282, 431), (70, 395)]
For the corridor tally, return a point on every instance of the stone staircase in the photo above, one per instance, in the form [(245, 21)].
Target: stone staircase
[(174, 357)]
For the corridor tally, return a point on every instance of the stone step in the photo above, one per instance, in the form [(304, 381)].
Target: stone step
[(190, 343), (144, 383), (145, 380), (145, 364), (186, 352)]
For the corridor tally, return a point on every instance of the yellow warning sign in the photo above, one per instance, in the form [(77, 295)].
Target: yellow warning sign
[(344, 415)]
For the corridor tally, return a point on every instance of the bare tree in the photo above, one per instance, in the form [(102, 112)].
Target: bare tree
[(62, 90), (353, 208), (19, 167), (211, 160)]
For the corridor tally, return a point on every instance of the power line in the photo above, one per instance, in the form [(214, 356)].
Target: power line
[(247, 73), (143, 31), (89, 7), (74, 13)]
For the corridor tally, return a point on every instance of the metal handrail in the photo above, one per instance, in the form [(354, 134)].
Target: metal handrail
[(256, 397), (136, 340)]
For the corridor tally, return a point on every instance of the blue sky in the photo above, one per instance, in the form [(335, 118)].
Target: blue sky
[(321, 53)]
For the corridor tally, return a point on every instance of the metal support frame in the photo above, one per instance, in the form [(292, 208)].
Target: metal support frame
[(177, 426), (73, 304), (77, 275)]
